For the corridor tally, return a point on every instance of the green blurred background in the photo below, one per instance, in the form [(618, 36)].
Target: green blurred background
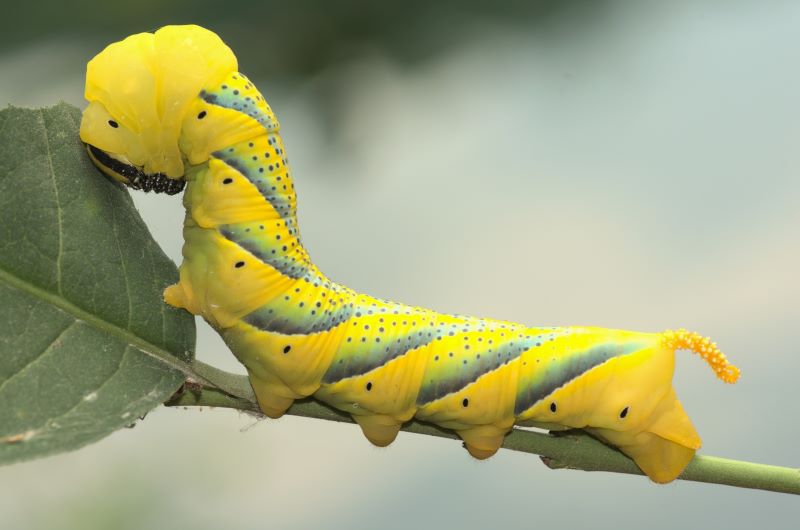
[(623, 164)]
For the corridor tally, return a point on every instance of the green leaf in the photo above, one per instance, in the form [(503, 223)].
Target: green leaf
[(86, 343)]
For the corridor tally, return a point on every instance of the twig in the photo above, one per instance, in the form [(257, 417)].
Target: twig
[(570, 450)]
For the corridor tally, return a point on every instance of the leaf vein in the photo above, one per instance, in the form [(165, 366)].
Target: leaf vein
[(40, 355), (148, 348), (50, 421), (58, 201), (124, 269)]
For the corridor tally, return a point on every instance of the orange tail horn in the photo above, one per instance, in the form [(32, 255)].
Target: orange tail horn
[(688, 340)]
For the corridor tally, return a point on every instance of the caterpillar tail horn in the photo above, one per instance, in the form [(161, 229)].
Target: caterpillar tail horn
[(688, 340)]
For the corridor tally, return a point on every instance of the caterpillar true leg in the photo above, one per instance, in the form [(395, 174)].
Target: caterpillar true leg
[(185, 114)]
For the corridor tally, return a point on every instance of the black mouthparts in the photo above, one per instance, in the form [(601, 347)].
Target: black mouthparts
[(138, 179)]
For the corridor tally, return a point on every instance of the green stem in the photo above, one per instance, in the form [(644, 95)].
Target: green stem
[(567, 450)]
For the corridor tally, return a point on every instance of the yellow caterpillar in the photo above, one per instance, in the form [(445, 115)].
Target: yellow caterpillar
[(170, 107)]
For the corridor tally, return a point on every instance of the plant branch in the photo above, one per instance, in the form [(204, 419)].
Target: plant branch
[(565, 450)]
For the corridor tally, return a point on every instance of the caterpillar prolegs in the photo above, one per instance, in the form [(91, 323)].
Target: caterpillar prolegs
[(170, 107)]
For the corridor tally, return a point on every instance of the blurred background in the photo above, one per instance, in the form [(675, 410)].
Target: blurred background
[(621, 164)]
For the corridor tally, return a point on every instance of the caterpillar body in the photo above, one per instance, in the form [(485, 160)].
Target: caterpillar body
[(171, 107)]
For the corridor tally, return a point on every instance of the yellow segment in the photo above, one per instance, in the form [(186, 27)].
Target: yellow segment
[(489, 400), (221, 127), (215, 287), (213, 203), (298, 361), (381, 400)]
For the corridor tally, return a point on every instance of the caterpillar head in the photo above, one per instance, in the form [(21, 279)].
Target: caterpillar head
[(139, 91)]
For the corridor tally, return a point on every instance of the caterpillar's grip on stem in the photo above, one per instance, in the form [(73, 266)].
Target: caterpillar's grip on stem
[(186, 114), (682, 339)]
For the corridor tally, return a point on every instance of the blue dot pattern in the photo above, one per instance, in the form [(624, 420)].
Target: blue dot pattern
[(475, 357), (241, 95), (262, 162)]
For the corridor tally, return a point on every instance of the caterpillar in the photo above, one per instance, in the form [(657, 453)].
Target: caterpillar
[(169, 109)]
